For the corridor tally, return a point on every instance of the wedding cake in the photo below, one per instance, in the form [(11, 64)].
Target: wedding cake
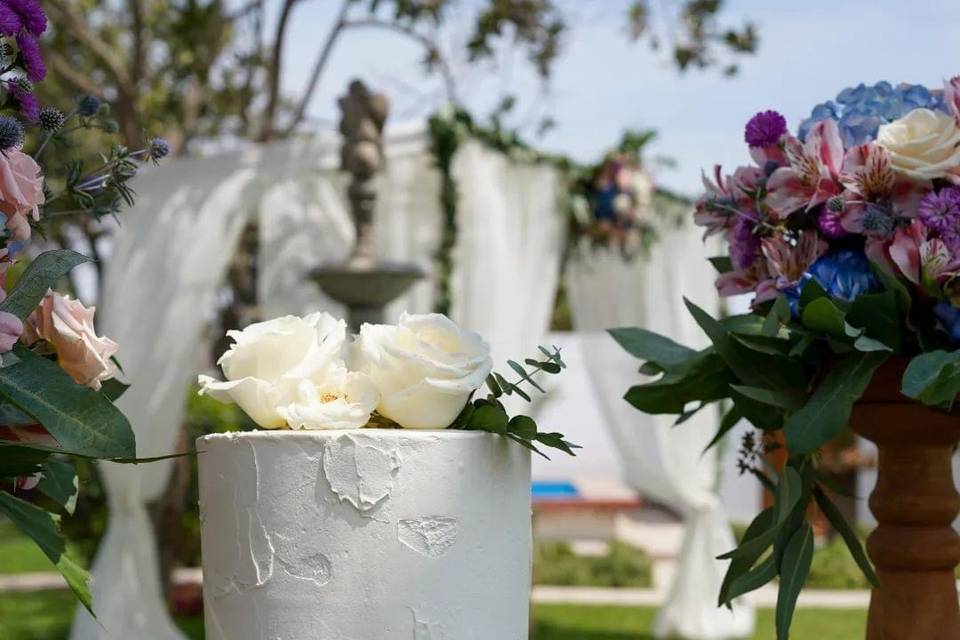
[(389, 498), (367, 534)]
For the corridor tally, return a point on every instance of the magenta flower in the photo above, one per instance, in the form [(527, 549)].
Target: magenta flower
[(765, 129), (744, 242), (32, 58), (31, 13), (10, 22), (940, 212), (811, 178)]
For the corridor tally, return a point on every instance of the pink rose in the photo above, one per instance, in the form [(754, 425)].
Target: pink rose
[(10, 325), (21, 192), (68, 327)]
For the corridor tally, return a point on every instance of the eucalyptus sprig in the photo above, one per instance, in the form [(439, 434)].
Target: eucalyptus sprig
[(489, 414)]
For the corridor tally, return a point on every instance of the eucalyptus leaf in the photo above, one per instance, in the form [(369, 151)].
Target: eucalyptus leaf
[(728, 422), (826, 412), (790, 399), (723, 264), (933, 378), (794, 569), (43, 273), (740, 565), (490, 418), (878, 314), (842, 527), (523, 426), (823, 315), (60, 483), (652, 347)]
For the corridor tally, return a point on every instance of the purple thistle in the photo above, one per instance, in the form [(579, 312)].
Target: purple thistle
[(31, 13), (744, 243), (32, 58), (765, 129), (940, 213), (829, 224), (26, 99), (10, 22)]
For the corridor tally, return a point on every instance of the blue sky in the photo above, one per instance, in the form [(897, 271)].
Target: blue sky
[(603, 83)]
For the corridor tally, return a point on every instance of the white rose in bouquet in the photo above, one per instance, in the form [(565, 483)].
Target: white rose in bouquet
[(425, 368), (268, 361)]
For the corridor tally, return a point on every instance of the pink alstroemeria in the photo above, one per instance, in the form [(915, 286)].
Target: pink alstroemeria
[(754, 278), (869, 177), (811, 178), (713, 209), (929, 264), (787, 261), (904, 249), (772, 153), (951, 95)]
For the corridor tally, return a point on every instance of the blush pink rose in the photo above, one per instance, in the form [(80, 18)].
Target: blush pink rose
[(68, 327), (10, 325), (21, 192)]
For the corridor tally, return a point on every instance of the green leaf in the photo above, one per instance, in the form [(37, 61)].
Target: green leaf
[(762, 416), (892, 284), (706, 379), (728, 422), (826, 412), (523, 426), (60, 483), (933, 378), (556, 441), (779, 315), (789, 491), (824, 316), (867, 344), (810, 292), (653, 347), (741, 564), (81, 420), (842, 527), (529, 445), (753, 579), (794, 569), (20, 461), (41, 526), (113, 389), (494, 386), (753, 368), (790, 399), (722, 264), (488, 417), (550, 367), (41, 275), (878, 314)]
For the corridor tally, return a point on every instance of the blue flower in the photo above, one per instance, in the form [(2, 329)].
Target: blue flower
[(844, 274), (949, 317), (859, 111)]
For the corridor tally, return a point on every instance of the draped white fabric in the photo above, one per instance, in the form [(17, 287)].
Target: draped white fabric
[(660, 460), (510, 239)]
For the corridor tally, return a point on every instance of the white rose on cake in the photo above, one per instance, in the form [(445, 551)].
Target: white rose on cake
[(333, 398), (425, 368), (272, 365)]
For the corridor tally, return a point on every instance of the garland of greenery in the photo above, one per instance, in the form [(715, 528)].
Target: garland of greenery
[(449, 127)]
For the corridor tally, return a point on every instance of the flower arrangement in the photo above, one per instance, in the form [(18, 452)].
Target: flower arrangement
[(847, 236), (422, 373), (57, 376)]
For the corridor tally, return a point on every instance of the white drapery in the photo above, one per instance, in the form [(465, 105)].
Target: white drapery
[(510, 238), (660, 460)]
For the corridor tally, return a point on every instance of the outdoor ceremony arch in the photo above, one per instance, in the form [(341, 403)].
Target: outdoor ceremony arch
[(171, 253)]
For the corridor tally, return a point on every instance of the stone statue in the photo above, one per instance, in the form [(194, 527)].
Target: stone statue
[(364, 114)]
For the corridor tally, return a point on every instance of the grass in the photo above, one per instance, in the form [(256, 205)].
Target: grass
[(19, 554), (47, 616), (555, 563)]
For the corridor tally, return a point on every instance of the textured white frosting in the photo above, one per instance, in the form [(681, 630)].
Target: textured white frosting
[(365, 535)]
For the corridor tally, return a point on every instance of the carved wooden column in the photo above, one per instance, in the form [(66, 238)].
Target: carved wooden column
[(914, 548)]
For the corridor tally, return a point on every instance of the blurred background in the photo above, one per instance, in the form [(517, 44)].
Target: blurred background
[(539, 163)]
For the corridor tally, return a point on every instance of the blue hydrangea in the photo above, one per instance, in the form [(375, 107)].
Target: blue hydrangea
[(859, 111), (844, 274), (949, 317)]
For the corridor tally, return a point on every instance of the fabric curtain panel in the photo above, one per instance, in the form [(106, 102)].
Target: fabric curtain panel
[(663, 462)]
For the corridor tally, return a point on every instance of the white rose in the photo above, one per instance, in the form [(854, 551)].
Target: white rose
[(268, 360), (331, 398), (425, 368), (923, 144)]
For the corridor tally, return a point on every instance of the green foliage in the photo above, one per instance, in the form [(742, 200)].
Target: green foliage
[(42, 274), (933, 378), (488, 414), (555, 563)]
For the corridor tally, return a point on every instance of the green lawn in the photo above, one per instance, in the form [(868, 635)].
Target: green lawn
[(46, 616), (19, 554)]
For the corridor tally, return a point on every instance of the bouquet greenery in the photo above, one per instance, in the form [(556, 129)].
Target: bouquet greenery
[(58, 378), (848, 236)]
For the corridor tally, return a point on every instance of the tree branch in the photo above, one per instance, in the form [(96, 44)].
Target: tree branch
[(138, 59), (71, 74), (73, 22), (273, 73), (342, 25)]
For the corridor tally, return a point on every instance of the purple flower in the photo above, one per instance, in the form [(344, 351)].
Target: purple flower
[(940, 213), (744, 243), (31, 13), (765, 129), (32, 58), (10, 22), (26, 99), (830, 225)]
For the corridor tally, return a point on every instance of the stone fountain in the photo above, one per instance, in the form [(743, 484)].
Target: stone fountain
[(363, 283)]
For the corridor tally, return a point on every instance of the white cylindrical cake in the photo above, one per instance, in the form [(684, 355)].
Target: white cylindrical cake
[(367, 534)]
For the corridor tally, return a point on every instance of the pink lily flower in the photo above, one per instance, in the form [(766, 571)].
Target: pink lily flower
[(756, 277), (707, 213), (788, 262), (951, 94), (869, 177), (811, 178), (904, 249)]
